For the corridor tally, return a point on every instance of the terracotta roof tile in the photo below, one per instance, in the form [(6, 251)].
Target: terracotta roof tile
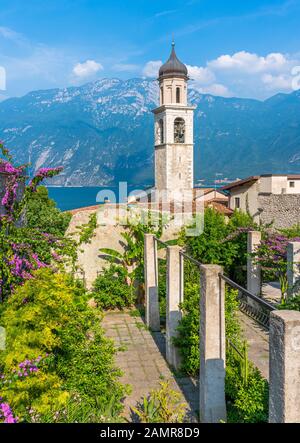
[(219, 207), (237, 183)]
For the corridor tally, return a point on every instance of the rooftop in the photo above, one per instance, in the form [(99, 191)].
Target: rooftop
[(254, 178), (237, 183), (173, 66)]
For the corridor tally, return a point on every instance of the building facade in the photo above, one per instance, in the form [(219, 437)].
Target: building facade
[(269, 198), (174, 132)]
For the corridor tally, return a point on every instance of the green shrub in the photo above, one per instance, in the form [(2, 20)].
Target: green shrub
[(50, 315), (246, 403), (78, 411), (163, 405), (292, 232), (111, 290), (292, 303), (246, 395), (188, 337), (42, 213), (162, 287), (233, 328), (222, 243), (86, 232), (207, 247)]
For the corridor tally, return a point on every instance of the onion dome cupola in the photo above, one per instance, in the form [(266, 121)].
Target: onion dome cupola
[(173, 67)]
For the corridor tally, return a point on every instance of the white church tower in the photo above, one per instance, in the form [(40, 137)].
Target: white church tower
[(174, 139)]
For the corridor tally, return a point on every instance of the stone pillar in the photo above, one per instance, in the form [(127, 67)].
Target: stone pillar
[(174, 298), (212, 345), (253, 269), (293, 267), (151, 282), (284, 397)]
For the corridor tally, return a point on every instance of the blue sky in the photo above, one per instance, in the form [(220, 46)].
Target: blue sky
[(232, 47)]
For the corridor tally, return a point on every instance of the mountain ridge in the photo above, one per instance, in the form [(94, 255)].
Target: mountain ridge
[(102, 132)]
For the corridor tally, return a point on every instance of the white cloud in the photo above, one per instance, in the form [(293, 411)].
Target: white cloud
[(204, 81), (201, 75), (217, 89), (246, 74), (249, 62), (151, 68), (278, 82), (87, 69), (32, 66)]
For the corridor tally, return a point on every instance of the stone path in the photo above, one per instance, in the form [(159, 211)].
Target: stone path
[(257, 337), (258, 342), (271, 292), (141, 358)]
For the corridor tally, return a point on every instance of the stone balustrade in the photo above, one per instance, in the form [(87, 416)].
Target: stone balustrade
[(284, 343)]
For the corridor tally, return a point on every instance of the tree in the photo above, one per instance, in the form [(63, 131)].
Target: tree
[(42, 213), (22, 249), (222, 243)]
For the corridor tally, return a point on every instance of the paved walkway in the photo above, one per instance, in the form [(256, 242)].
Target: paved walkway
[(257, 337), (141, 358), (258, 341), (271, 292)]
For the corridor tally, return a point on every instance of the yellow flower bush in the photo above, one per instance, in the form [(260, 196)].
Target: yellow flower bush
[(55, 349)]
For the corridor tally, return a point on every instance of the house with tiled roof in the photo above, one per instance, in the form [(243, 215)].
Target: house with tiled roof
[(268, 198)]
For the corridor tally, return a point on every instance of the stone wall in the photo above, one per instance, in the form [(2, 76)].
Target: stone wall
[(282, 209), (180, 166), (90, 259), (160, 167), (174, 162), (248, 197)]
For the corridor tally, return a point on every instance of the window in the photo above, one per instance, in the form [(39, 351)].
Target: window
[(162, 95), (292, 184), (169, 94), (179, 130), (177, 95), (237, 202), (179, 175), (159, 132)]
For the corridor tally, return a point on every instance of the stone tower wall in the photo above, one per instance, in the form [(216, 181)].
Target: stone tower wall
[(174, 167)]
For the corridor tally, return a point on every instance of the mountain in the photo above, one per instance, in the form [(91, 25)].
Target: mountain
[(102, 133)]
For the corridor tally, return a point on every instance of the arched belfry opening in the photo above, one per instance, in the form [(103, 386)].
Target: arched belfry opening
[(179, 130)]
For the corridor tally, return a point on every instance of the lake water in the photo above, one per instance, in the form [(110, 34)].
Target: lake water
[(73, 198)]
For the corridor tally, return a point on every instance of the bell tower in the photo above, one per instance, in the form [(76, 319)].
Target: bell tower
[(174, 139)]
